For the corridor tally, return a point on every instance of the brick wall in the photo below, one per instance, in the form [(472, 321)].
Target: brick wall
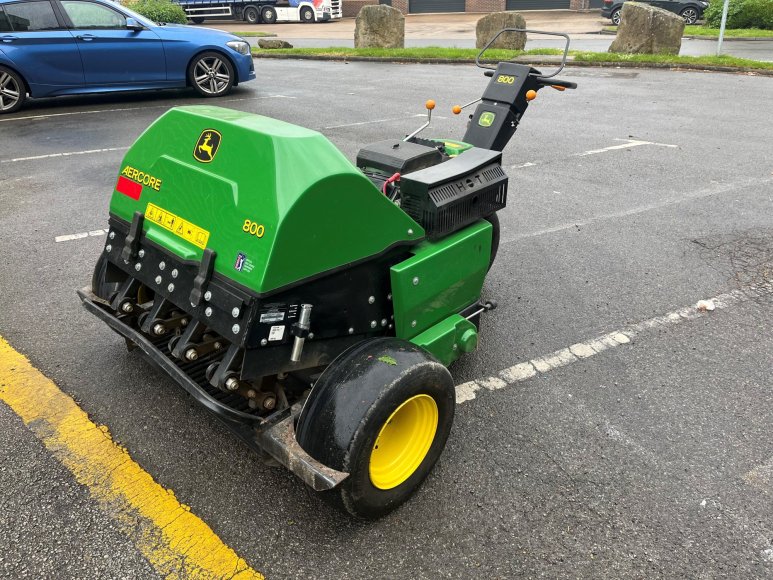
[(484, 5), (352, 7), (401, 5)]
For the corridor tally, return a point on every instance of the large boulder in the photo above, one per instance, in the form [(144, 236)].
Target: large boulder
[(645, 29), (379, 26), (270, 43), (490, 24)]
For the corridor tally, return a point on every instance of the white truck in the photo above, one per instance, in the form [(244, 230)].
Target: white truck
[(302, 11), (265, 11)]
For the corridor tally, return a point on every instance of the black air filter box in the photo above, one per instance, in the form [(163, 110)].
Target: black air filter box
[(395, 156), (449, 196)]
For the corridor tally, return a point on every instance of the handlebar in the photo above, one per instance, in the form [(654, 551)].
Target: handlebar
[(543, 80), (498, 34), (556, 83)]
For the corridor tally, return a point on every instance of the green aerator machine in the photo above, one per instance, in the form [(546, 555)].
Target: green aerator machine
[(313, 304)]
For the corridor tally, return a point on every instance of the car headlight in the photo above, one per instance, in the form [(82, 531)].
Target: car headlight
[(239, 46)]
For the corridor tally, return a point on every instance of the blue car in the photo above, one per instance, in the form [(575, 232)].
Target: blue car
[(66, 47)]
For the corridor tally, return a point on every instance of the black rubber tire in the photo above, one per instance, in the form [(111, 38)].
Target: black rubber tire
[(493, 219), (251, 15), (307, 15), (13, 91), (690, 15), (107, 279), (268, 15), (197, 19), (615, 17), (201, 80), (351, 402)]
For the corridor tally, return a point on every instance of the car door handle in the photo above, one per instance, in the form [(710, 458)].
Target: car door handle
[(86, 37), (9, 38)]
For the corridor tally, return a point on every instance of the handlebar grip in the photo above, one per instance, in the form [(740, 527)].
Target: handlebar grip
[(489, 73), (556, 83)]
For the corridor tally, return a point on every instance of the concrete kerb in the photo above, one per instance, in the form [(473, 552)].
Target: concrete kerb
[(529, 60)]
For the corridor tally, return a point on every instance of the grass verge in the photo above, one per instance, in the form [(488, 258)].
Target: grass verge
[(430, 53), (418, 53), (712, 61), (703, 31), (246, 33)]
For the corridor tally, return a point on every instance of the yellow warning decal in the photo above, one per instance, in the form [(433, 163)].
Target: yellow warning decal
[(177, 225)]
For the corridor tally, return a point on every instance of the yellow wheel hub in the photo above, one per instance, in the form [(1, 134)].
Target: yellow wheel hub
[(403, 442)]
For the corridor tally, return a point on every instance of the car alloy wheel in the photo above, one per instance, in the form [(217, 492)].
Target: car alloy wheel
[(211, 74), (12, 91), (616, 18), (690, 15)]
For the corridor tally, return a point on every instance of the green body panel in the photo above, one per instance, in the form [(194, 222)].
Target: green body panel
[(315, 210), (440, 279), (449, 339)]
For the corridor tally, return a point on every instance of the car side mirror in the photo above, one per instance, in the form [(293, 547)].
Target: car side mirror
[(132, 24)]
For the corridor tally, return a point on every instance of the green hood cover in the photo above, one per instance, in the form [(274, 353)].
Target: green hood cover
[(277, 203)]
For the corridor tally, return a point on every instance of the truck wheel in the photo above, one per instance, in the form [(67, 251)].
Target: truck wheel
[(13, 91), (307, 14), (251, 15), (197, 19), (268, 15), (382, 412), (211, 74)]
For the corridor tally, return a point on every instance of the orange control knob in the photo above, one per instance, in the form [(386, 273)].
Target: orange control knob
[(531, 94), (456, 109), (430, 104)]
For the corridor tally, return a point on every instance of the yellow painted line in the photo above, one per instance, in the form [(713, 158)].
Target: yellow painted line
[(175, 541)]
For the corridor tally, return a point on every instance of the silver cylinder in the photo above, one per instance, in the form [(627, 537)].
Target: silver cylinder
[(304, 324)]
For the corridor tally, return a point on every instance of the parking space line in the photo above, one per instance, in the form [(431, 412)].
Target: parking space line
[(67, 154), (175, 541), (80, 235), (122, 109), (629, 143), (713, 189), (761, 477), (377, 121), (525, 370)]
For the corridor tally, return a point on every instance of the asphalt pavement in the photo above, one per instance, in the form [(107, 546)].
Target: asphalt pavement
[(631, 199)]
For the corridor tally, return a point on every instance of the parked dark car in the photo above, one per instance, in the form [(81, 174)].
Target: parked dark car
[(66, 47), (690, 10)]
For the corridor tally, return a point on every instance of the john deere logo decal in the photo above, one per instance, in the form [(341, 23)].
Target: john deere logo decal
[(486, 119), (207, 146)]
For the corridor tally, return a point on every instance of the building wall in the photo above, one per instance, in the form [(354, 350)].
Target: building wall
[(352, 7), (484, 5)]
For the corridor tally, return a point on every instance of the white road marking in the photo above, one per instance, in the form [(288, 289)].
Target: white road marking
[(79, 236), (118, 110), (584, 350), (627, 145), (714, 189), (67, 154), (761, 477), (378, 121)]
